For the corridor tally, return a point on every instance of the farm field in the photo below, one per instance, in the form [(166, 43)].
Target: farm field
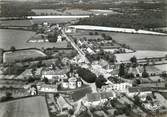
[(19, 38), (114, 29), (41, 19), (141, 41), (136, 41), (52, 20), (55, 19), (162, 67), (22, 54), (32, 106), (16, 23), (16, 93), (140, 55), (72, 12)]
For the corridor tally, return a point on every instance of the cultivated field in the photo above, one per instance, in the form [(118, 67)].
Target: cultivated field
[(21, 55), (16, 23), (140, 55), (136, 41), (162, 67), (115, 29), (27, 107), (55, 19), (19, 38)]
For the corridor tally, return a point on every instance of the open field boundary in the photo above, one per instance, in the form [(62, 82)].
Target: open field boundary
[(18, 54), (115, 29)]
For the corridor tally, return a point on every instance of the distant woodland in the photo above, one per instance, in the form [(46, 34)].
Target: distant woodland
[(137, 16)]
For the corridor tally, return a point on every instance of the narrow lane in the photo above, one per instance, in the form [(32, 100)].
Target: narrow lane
[(81, 53)]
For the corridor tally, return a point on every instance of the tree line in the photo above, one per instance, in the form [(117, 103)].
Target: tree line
[(128, 17)]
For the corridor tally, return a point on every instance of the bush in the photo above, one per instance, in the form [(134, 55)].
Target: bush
[(145, 74), (90, 33), (129, 76), (96, 33), (121, 70)]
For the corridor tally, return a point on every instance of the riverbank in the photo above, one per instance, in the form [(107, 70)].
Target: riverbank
[(115, 29)]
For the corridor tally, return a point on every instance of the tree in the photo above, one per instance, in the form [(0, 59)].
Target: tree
[(31, 79), (108, 38), (100, 81), (13, 10), (137, 100), (148, 98), (35, 27), (12, 48), (52, 36), (75, 41), (86, 75), (133, 60), (127, 109), (121, 70), (136, 82), (69, 45), (90, 33), (103, 35), (163, 74), (14, 69), (145, 74), (7, 97), (96, 33), (71, 111), (130, 76), (45, 80), (33, 71), (111, 58)]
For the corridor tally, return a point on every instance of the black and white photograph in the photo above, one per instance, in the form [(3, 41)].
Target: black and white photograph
[(83, 58)]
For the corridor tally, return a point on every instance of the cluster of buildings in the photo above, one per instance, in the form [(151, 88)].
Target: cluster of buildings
[(124, 86), (45, 32), (60, 83), (95, 99)]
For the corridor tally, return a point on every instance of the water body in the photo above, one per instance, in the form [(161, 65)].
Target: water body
[(18, 38)]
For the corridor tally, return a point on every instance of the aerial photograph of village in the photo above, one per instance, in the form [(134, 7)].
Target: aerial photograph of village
[(83, 58)]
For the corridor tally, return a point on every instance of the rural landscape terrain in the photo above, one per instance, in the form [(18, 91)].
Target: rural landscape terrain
[(83, 58)]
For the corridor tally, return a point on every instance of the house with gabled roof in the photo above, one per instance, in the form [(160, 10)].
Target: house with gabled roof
[(63, 103), (94, 99), (58, 73), (139, 91)]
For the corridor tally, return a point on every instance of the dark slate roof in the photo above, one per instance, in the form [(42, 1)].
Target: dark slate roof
[(153, 84), (98, 96), (141, 89), (105, 95), (93, 97)]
